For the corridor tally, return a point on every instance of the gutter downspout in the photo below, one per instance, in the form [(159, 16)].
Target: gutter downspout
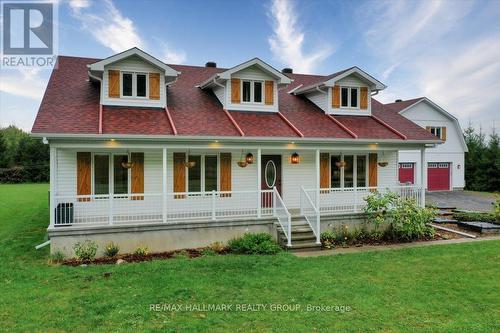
[(171, 121), (100, 104)]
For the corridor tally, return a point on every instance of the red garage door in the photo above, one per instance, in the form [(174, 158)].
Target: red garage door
[(407, 173), (438, 176)]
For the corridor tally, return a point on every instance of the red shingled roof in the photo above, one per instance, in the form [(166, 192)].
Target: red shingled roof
[(71, 105)]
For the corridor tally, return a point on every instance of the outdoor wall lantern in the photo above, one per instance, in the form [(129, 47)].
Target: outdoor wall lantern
[(127, 164), (295, 158), (340, 164), (249, 158), (242, 163)]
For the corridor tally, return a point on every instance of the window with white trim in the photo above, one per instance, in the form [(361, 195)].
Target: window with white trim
[(252, 91), (437, 131), (353, 174), (134, 84), (203, 176), (107, 177), (349, 97)]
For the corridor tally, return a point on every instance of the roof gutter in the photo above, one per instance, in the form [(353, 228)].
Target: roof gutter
[(226, 138)]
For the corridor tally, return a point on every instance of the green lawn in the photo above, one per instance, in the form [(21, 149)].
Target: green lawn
[(453, 288)]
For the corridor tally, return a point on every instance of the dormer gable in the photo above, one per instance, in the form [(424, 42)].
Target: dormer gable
[(250, 86), (347, 92), (133, 78)]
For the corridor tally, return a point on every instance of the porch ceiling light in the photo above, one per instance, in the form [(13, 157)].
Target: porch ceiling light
[(383, 164), (295, 158), (249, 158), (127, 165)]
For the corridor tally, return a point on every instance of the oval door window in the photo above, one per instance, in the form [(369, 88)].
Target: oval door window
[(270, 173)]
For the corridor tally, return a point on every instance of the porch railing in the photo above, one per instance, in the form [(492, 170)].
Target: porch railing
[(283, 215), (310, 212), (351, 200), (158, 207)]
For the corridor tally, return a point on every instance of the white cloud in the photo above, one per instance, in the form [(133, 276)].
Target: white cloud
[(26, 83), (435, 56), (287, 41), (107, 24)]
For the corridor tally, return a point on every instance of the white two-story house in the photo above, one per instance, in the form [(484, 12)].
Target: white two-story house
[(145, 153)]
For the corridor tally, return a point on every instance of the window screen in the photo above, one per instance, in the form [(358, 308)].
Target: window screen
[(210, 173), (246, 91), (194, 174), (344, 96), (101, 174), (127, 84), (141, 85), (257, 92), (120, 177)]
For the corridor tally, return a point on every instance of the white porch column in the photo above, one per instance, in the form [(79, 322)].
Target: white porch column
[(259, 199), (317, 178), (53, 185), (164, 185), (422, 177)]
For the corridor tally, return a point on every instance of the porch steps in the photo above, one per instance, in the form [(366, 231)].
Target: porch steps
[(445, 215), (303, 238)]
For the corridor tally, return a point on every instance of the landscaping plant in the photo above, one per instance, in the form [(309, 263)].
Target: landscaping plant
[(141, 251), (259, 243), (111, 250), (474, 216), (86, 250)]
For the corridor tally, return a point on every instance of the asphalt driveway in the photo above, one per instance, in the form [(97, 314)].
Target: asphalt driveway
[(467, 200)]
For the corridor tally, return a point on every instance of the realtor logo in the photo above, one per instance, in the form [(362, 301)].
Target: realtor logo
[(29, 33)]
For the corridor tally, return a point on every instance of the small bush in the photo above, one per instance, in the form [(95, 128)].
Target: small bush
[(141, 251), (496, 209), (86, 250), (217, 247), (182, 254), (474, 217), (111, 250), (57, 257), (208, 252), (260, 243), (328, 239)]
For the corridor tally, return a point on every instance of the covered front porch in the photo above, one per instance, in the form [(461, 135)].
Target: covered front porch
[(114, 184)]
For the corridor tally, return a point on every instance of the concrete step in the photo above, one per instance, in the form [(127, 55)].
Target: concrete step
[(300, 237), (444, 212), (446, 207), (444, 220), (304, 246)]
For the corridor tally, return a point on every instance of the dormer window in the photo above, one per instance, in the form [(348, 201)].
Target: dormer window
[(134, 84), (252, 91), (349, 97)]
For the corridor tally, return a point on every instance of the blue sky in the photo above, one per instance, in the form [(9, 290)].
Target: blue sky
[(448, 51)]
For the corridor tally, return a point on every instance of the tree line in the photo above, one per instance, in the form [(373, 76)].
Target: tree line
[(23, 159), (26, 159)]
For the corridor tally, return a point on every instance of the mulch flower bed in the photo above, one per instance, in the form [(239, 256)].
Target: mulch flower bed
[(131, 257)]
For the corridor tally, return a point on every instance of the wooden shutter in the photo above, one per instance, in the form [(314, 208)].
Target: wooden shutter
[(443, 133), (324, 170), (428, 128), (137, 185), (363, 103), (336, 97), (179, 174), (372, 170), (269, 92), (83, 175), (154, 85), (235, 91), (225, 173), (114, 83)]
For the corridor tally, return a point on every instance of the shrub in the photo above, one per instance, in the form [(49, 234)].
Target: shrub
[(403, 218), (182, 254), (56, 257), (328, 239), (217, 247), (111, 250), (86, 250), (496, 209), (208, 252), (141, 251), (260, 243), (474, 216)]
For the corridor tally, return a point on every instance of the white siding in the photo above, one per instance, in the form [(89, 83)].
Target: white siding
[(388, 175), (297, 175), (319, 98), (253, 73), (219, 93), (452, 151), (351, 81), (133, 64)]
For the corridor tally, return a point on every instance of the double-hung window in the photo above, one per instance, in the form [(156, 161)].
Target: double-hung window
[(134, 84), (252, 91), (203, 176), (348, 170), (114, 176), (349, 97)]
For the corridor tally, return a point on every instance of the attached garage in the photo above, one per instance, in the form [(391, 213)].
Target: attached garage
[(407, 173), (438, 176)]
